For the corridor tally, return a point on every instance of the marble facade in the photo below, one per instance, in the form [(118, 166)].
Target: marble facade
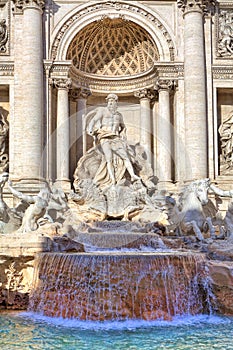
[(169, 62)]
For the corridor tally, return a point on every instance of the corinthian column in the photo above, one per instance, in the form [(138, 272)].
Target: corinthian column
[(145, 97), (28, 126), (63, 85), (164, 148), (195, 88)]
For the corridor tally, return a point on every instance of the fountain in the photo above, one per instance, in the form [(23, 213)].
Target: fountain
[(119, 286), (116, 248)]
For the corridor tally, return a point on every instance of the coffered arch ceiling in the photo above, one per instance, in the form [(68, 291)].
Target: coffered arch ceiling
[(113, 48)]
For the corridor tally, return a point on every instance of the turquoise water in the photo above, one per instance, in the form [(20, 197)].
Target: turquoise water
[(29, 331)]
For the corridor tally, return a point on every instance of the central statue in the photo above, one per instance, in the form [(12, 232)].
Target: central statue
[(112, 177), (107, 127)]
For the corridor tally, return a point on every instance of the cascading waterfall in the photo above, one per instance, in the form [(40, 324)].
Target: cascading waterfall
[(100, 286)]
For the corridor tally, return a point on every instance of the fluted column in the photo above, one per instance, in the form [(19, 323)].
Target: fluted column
[(63, 145), (145, 96), (28, 126), (164, 137), (195, 88)]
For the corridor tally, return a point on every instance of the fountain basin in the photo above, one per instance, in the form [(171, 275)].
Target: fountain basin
[(99, 286)]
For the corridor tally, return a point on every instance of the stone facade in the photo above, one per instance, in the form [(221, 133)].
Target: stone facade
[(170, 63)]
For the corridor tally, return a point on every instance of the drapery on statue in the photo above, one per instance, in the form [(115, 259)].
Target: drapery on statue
[(106, 126), (226, 135)]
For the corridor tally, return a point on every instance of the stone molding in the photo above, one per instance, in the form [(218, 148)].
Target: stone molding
[(202, 6), (21, 5), (121, 7), (171, 71), (222, 72)]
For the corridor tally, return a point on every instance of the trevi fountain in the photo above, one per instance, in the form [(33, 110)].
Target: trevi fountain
[(116, 174)]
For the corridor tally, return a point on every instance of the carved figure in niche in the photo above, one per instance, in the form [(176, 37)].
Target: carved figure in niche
[(225, 46), (226, 137), (106, 126), (37, 207), (3, 35)]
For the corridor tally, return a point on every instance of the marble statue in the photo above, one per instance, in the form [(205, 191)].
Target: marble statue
[(37, 207), (107, 127), (226, 137), (188, 215), (113, 177)]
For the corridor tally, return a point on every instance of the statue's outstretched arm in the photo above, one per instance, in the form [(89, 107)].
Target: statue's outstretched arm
[(20, 195), (220, 192)]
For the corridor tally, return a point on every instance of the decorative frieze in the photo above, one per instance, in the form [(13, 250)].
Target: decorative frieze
[(195, 5), (225, 32)]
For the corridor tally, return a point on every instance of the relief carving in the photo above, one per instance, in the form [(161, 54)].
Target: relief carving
[(225, 33), (3, 36), (226, 137), (4, 130)]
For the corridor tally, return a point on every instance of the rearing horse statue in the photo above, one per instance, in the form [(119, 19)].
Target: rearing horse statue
[(191, 217)]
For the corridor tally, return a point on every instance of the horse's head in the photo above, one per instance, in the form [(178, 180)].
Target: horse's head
[(200, 187)]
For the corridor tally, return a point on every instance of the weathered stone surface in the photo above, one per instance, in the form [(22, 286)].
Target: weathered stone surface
[(221, 274)]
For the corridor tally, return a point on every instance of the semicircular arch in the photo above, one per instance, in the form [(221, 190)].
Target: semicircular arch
[(83, 15)]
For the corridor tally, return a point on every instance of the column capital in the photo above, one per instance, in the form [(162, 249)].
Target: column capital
[(21, 5), (77, 94), (61, 83), (164, 84), (144, 94), (201, 6)]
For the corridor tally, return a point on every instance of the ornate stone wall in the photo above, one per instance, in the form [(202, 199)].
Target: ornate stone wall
[(123, 47)]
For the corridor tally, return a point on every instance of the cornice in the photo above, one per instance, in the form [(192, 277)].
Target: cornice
[(6, 69), (222, 72)]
